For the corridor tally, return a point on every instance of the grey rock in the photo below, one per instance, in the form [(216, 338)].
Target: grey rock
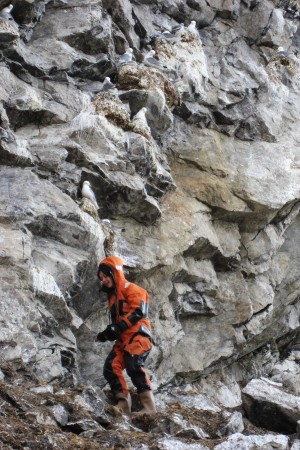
[(60, 414), (52, 257), (222, 389), (129, 194), (49, 158), (92, 70), (252, 27), (122, 14), (28, 13), (189, 399), (176, 425), (271, 399), (95, 40), (168, 444), (181, 428), (295, 445), (39, 417), (194, 114), (42, 389), (9, 35), (234, 425), (15, 152), (95, 398), (39, 196), (141, 447), (46, 289), (278, 30), (241, 442), (287, 373), (82, 426), (207, 191), (45, 56)]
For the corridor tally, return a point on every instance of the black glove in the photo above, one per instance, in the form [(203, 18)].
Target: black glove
[(113, 332), (101, 337)]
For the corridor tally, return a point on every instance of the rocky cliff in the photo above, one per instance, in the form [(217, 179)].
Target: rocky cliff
[(193, 155)]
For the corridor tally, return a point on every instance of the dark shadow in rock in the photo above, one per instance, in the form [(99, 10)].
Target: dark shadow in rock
[(266, 415)]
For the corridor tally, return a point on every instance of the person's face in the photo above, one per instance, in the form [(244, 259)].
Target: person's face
[(106, 280)]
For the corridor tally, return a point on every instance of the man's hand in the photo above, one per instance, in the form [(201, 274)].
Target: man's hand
[(101, 337), (113, 331)]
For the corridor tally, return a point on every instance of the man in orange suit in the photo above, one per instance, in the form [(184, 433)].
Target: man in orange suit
[(130, 329)]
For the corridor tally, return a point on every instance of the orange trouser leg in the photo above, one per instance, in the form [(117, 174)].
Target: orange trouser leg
[(113, 369), (136, 353)]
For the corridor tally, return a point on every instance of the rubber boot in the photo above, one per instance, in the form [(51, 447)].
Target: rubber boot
[(124, 402), (147, 402)]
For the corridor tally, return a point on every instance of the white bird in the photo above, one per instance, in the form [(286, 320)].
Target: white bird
[(282, 52), (154, 36), (108, 85), (192, 28), (178, 29), (126, 57), (141, 115), (167, 34), (170, 37), (108, 223), (149, 60), (5, 13), (92, 88), (87, 192), (164, 35)]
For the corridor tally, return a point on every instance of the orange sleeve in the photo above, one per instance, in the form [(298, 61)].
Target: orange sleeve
[(138, 302)]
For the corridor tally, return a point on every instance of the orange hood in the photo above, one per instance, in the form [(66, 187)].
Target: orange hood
[(116, 264)]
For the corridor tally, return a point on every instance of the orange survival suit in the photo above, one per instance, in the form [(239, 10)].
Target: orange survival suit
[(128, 305)]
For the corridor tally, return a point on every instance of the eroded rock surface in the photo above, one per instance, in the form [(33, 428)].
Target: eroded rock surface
[(200, 192)]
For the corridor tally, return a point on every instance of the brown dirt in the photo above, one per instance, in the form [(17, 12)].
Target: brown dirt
[(20, 410)]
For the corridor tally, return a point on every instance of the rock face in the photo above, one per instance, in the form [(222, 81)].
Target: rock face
[(269, 406), (201, 187)]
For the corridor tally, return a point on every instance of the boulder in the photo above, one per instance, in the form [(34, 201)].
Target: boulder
[(270, 407), (254, 442)]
